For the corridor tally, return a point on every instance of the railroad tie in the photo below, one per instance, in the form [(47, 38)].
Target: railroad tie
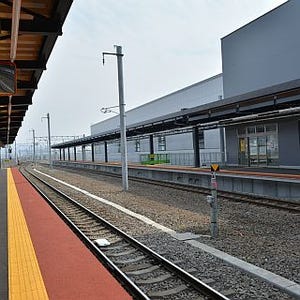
[(165, 293), (228, 292), (154, 280), (133, 270), (118, 247), (130, 261), (121, 253)]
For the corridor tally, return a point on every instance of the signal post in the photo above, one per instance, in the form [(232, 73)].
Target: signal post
[(213, 202)]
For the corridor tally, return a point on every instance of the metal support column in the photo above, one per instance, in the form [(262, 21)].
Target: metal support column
[(213, 201), (105, 152), (75, 156), (93, 152), (64, 154), (33, 142), (49, 141), (222, 145), (60, 154), (122, 119), (83, 153), (69, 157), (151, 144), (151, 148), (122, 115), (196, 147)]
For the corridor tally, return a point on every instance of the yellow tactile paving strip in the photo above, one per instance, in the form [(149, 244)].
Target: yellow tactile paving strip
[(24, 275)]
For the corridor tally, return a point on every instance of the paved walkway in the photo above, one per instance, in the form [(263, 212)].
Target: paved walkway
[(46, 259)]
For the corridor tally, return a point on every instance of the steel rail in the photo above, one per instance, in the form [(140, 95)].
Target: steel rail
[(128, 284), (183, 275), (264, 201)]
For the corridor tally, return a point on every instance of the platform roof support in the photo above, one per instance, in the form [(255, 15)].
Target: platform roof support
[(93, 152), (196, 147), (75, 154), (105, 152), (222, 145), (83, 153), (151, 144)]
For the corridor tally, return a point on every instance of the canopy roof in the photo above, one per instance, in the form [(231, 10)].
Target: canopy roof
[(28, 32), (278, 101)]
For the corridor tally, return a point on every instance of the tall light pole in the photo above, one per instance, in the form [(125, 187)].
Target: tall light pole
[(49, 139), (33, 144), (119, 55)]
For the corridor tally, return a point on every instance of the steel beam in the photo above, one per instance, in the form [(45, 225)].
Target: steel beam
[(38, 27)]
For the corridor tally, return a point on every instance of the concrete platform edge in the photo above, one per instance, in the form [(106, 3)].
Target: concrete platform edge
[(291, 287), (280, 282)]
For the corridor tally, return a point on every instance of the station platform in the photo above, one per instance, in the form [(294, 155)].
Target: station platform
[(277, 183), (254, 171), (40, 256)]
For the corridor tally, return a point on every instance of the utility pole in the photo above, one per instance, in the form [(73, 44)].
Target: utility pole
[(33, 144), (49, 140), (119, 55)]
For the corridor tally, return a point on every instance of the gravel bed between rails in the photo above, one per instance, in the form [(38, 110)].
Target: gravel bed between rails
[(266, 237)]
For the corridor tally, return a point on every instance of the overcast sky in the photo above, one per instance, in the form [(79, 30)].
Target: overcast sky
[(167, 45)]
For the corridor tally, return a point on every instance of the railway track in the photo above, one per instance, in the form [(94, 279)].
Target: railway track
[(143, 272), (231, 196)]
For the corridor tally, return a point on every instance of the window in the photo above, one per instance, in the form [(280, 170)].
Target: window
[(259, 146), (137, 146), (271, 128), (251, 130), (257, 130), (201, 139), (241, 131), (260, 128), (161, 143)]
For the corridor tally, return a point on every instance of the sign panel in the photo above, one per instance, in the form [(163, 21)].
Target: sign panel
[(214, 167)]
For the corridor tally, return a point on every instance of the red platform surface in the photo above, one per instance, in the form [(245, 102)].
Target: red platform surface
[(69, 269)]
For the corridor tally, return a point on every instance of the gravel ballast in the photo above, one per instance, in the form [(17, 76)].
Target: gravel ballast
[(266, 237)]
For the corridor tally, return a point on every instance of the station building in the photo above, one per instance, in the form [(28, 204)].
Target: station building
[(255, 101), (263, 57), (177, 143)]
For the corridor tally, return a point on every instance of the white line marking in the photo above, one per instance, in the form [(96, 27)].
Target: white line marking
[(117, 206), (282, 283)]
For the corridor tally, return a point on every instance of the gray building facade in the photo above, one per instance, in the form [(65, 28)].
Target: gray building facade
[(261, 75), (177, 144), (262, 54)]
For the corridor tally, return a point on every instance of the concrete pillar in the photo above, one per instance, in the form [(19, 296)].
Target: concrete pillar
[(196, 147)]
